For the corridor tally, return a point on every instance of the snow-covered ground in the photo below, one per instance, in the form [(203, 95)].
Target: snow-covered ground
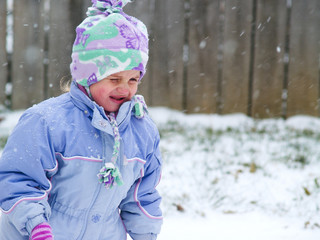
[(234, 177), (248, 226)]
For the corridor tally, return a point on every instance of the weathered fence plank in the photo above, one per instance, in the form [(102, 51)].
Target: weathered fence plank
[(159, 53), (3, 52), (236, 56), (303, 83), (268, 71), (27, 58), (202, 47), (175, 36), (63, 21)]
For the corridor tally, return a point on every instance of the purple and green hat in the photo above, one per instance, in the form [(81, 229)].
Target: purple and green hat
[(108, 41)]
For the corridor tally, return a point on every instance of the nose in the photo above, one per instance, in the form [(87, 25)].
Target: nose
[(123, 88)]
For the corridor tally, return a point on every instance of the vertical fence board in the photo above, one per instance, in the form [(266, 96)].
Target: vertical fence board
[(175, 34), (303, 83), (61, 38), (236, 56), (268, 74), (3, 52), (143, 10), (159, 52), (202, 82), (27, 59)]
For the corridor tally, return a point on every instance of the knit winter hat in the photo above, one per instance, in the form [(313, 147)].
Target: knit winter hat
[(108, 41)]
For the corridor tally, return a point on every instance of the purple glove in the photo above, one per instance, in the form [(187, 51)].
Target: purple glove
[(42, 231)]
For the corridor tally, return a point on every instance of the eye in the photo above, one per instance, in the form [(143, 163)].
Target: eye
[(113, 79), (134, 79)]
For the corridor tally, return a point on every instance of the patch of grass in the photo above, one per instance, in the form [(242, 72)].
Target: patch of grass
[(3, 141), (297, 146), (171, 127)]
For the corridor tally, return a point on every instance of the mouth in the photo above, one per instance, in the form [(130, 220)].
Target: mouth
[(117, 99)]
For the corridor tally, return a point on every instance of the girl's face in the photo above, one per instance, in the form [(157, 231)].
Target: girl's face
[(115, 89)]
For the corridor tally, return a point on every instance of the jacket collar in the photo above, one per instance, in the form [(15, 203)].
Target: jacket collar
[(97, 114)]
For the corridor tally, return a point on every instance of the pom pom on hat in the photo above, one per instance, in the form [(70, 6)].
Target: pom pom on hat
[(106, 6), (108, 41)]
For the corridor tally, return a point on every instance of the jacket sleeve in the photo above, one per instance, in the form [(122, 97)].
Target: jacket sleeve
[(27, 158), (140, 210)]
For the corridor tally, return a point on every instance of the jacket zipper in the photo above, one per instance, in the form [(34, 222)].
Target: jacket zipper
[(97, 191)]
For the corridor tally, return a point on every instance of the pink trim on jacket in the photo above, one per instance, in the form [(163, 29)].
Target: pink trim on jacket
[(138, 202), (46, 193), (79, 158)]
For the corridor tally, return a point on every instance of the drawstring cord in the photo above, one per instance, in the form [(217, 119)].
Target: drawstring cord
[(110, 174)]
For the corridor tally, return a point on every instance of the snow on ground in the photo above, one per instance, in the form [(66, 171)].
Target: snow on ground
[(234, 177), (248, 226)]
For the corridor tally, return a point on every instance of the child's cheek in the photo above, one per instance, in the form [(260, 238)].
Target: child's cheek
[(102, 93)]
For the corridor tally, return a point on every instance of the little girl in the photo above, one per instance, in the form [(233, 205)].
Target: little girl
[(85, 165)]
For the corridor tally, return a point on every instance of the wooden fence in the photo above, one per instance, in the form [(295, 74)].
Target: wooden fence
[(258, 57)]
